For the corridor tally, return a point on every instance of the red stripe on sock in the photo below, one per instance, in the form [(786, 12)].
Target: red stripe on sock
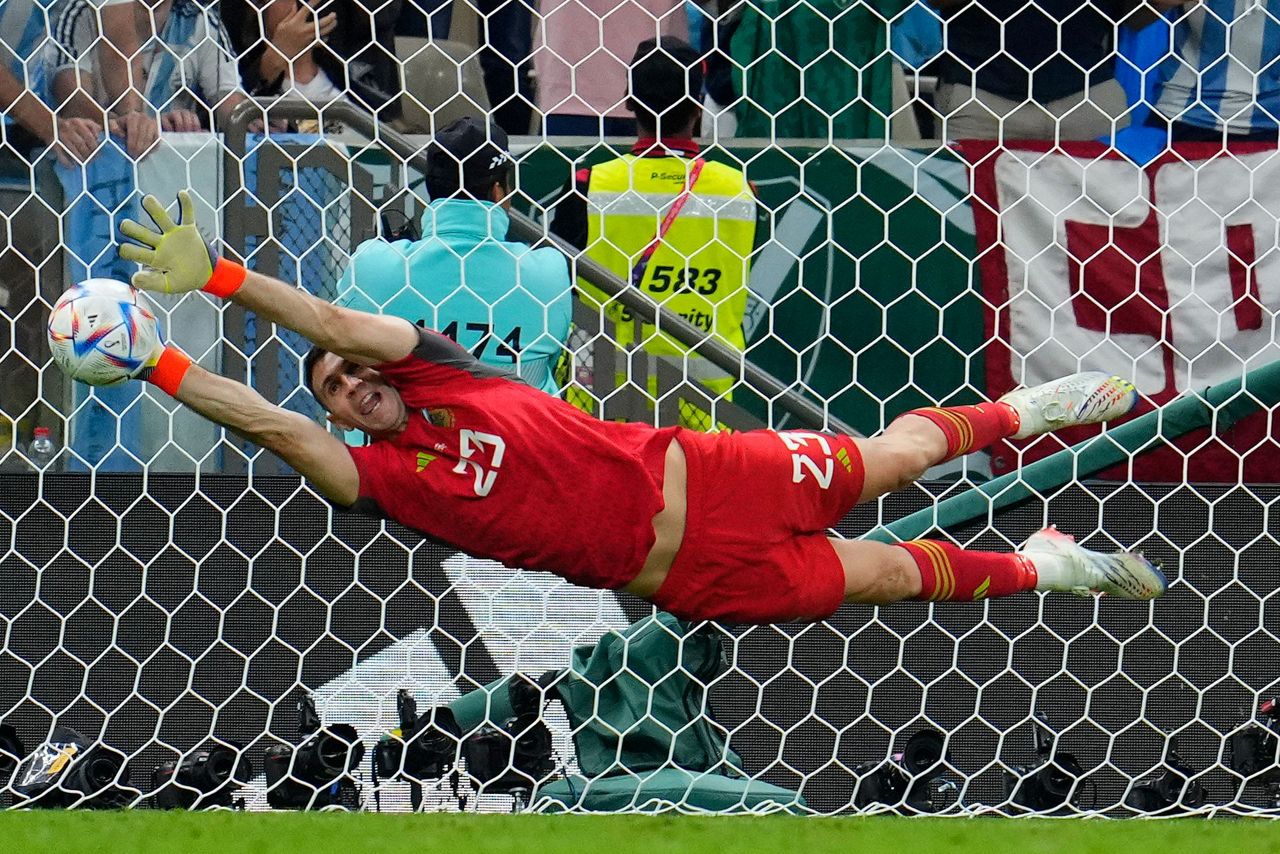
[(970, 428), (954, 574)]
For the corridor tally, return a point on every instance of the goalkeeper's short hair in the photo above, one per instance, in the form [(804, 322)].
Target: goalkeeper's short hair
[(309, 366)]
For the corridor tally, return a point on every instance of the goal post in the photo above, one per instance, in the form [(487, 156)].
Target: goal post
[(1217, 408)]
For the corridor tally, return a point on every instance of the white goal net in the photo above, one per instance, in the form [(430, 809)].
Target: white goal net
[(172, 598)]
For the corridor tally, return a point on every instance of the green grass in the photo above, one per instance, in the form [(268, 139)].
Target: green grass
[(143, 832)]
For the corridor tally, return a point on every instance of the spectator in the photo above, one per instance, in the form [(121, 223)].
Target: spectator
[(30, 263), (1222, 82), (425, 19), (120, 73), (700, 215), (508, 304), (582, 74), (321, 49), (815, 68), (717, 23), (29, 122), (188, 75), (1032, 69), (506, 39)]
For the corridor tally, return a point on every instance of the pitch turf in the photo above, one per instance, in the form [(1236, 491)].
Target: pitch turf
[(144, 832)]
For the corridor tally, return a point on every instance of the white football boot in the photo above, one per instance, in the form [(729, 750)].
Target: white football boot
[(1087, 398), (1062, 564)]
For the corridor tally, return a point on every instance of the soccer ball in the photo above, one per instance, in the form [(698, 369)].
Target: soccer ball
[(102, 331)]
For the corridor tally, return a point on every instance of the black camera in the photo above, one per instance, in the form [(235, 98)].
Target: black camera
[(67, 770), (514, 757), (422, 748), (1047, 785), (511, 758), (11, 753), (1171, 791), (1251, 751), (317, 773), (908, 781), (202, 778)]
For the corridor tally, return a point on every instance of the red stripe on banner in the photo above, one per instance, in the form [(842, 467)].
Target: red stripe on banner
[(993, 269), (1101, 260), (1242, 259)]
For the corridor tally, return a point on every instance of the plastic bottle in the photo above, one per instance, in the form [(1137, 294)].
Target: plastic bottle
[(42, 451)]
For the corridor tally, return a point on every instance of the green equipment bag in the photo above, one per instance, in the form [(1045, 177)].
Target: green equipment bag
[(642, 730)]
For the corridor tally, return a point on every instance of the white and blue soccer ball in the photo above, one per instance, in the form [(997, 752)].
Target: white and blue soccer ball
[(102, 331)]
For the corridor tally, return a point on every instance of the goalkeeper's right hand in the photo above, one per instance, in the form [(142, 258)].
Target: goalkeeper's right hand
[(176, 257)]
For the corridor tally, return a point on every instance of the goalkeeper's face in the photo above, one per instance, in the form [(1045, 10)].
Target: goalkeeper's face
[(357, 397)]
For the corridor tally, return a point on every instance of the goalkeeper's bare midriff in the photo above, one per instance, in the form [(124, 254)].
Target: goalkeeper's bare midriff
[(668, 525)]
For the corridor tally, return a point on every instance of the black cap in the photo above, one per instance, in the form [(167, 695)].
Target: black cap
[(665, 74), (470, 154)]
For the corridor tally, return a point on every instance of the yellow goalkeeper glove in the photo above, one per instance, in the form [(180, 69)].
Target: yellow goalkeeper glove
[(176, 257)]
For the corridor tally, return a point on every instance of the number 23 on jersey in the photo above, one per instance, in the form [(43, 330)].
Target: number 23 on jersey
[(481, 454)]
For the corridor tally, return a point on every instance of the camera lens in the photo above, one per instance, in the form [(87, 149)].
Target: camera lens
[(99, 771), (1145, 799), (332, 753), (216, 765), (1057, 781), (923, 751)]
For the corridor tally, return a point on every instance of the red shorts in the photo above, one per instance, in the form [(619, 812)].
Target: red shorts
[(755, 546)]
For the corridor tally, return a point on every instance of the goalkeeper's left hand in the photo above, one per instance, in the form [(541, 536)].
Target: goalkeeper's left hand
[(176, 255)]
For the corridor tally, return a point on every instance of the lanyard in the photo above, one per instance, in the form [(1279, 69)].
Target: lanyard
[(637, 272)]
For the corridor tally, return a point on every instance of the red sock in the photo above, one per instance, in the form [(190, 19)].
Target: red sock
[(952, 573), (969, 428)]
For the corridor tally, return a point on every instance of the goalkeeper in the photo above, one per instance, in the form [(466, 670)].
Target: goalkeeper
[(728, 526)]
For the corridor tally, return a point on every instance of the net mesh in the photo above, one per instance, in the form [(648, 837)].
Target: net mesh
[(171, 590)]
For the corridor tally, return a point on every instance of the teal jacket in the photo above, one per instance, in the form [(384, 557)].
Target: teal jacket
[(508, 304)]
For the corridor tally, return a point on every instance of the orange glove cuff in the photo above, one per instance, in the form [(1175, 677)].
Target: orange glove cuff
[(169, 370), (227, 278)]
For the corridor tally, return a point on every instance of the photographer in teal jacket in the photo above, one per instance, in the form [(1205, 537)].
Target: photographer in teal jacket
[(507, 303)]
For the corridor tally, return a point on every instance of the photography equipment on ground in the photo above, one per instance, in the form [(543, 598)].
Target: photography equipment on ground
[(420, 749), (1169, 792), (1048, 784), (1251, 751), (515, 756), (317, 773), (203, 778), (70, 771), (11, 752), (909, 780)]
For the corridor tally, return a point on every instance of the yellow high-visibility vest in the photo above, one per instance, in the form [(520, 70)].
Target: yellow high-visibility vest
[(700, 269)]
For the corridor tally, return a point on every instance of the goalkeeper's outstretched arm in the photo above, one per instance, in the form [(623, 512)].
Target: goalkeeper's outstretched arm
[(302, 443), (178, 260)]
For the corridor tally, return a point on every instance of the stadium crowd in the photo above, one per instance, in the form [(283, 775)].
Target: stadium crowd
[(668, 74)]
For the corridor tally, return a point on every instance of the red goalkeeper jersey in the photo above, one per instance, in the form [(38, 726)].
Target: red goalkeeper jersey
[(501, 470)]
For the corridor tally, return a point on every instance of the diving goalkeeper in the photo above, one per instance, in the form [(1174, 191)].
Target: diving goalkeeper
[(729, 526)]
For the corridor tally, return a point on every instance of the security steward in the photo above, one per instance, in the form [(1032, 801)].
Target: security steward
[(669, 221)]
